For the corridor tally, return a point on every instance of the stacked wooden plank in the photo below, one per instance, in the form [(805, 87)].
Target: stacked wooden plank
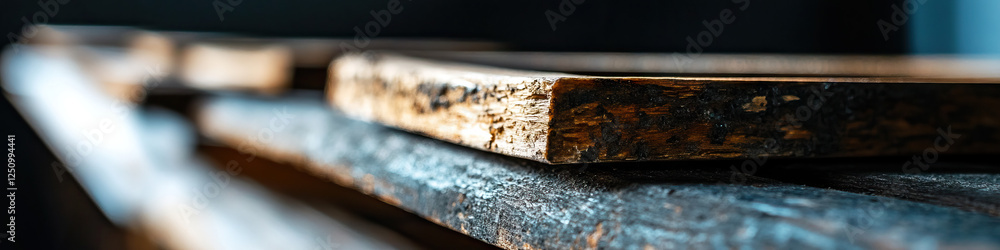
[(562, 118), (462, 175), (514, 203)]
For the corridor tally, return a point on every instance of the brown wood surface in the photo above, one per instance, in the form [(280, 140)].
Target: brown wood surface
[(563, 118)]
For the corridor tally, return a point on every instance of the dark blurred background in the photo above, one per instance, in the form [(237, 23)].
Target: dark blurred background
[(785, 26), (788, 26)]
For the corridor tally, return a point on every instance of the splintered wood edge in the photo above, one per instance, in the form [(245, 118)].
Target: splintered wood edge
[(561, 118), (504, 111)]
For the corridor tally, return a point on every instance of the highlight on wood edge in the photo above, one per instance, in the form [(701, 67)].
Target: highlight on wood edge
[(562, 118)]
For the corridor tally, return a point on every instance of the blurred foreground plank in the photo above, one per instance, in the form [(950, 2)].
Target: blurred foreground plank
[(139, 168), (515, 203), (212, 61), (562, 118)]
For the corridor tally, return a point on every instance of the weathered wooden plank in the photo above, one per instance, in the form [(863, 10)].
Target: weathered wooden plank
[(319, 193), (562, 118), (515, 203), (968, 186)]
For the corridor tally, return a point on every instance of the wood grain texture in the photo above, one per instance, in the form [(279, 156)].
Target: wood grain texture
[(562, 118), (969, 186), (521, 204), (366, 215), (503, 111)]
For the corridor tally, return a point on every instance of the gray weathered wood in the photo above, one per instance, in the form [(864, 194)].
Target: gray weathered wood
[(967, 186), (514, 203)]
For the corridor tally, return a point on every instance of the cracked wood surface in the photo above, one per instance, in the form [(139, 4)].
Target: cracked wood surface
[(514, 203), (561, 118)]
